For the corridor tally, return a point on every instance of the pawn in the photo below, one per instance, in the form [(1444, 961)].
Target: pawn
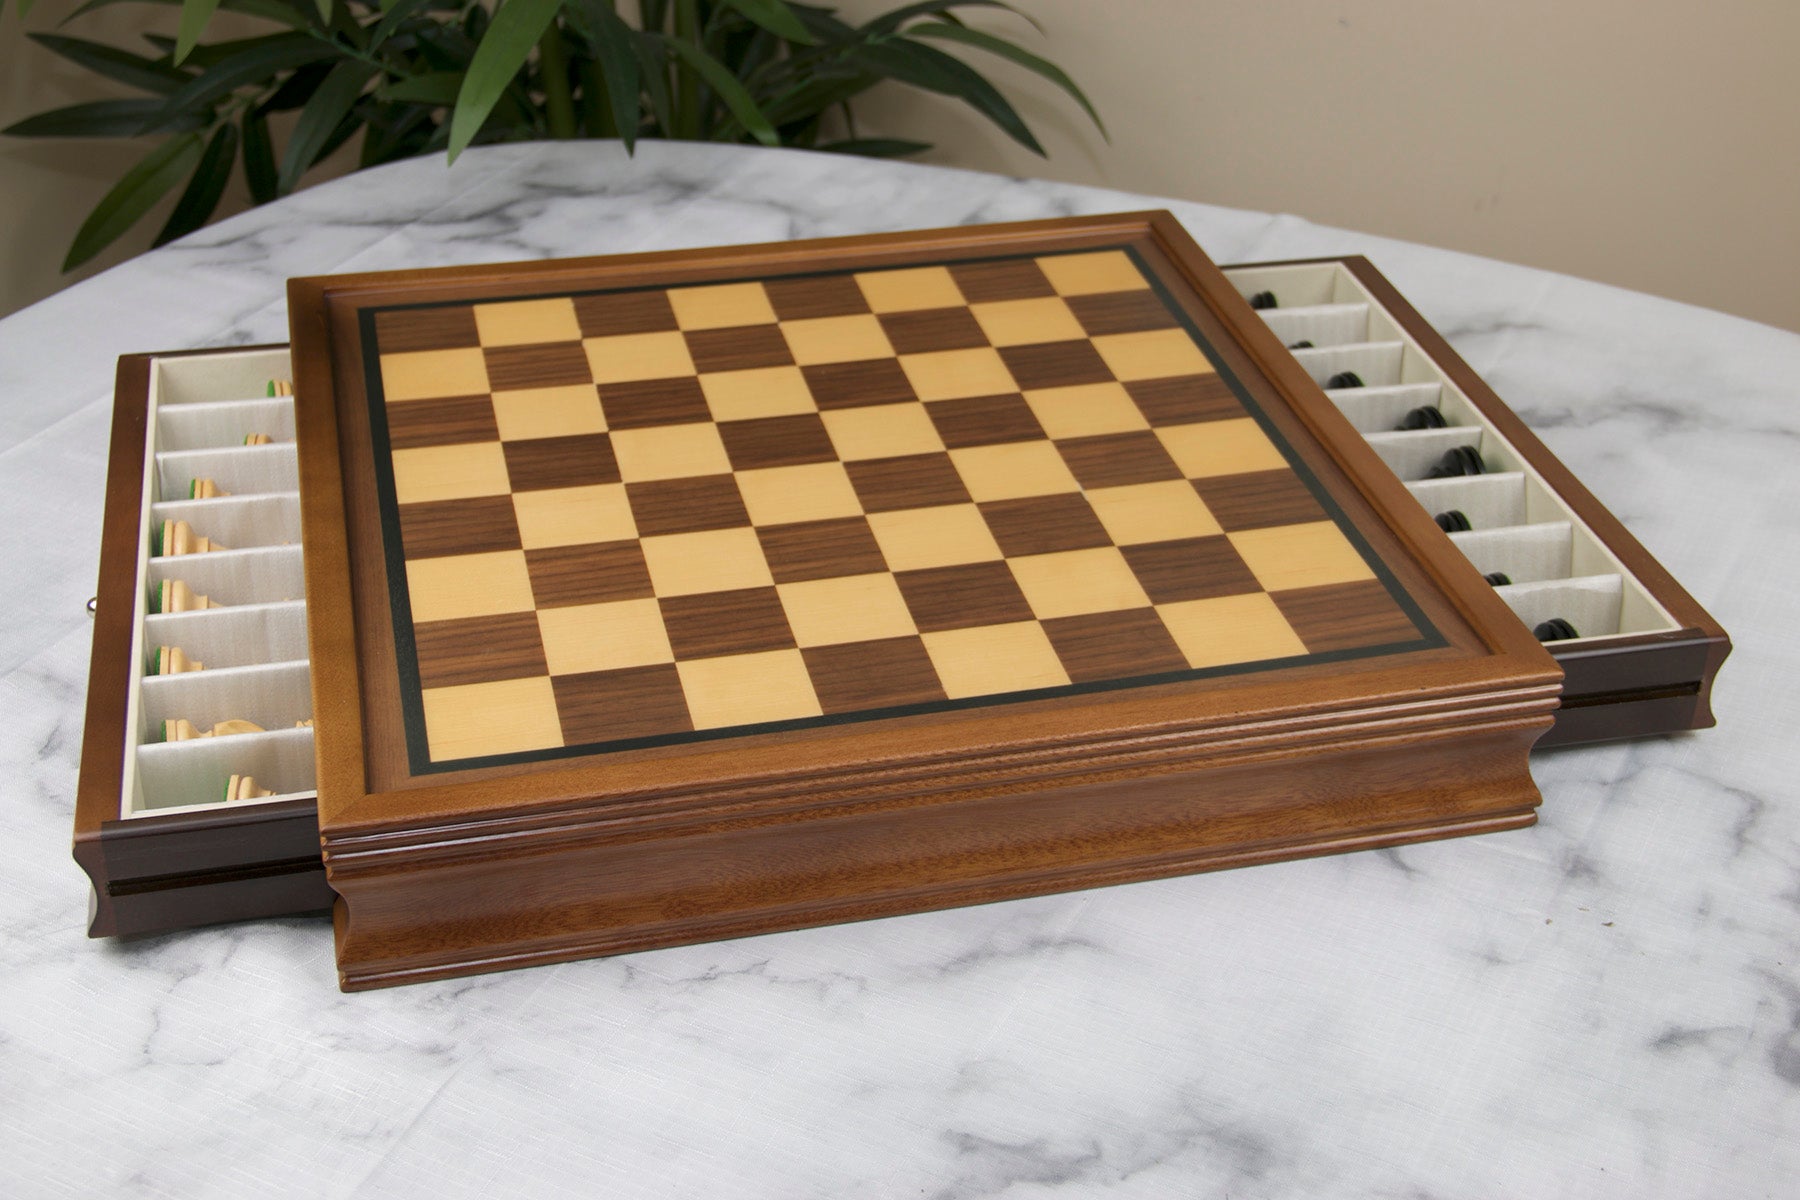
[(281, 387), (1302, 344), (204, 489), (1453, 521), (257, 439), (183, 730), (1424, 417), (173, 596), (1460, 460), (1262, 300), (1344, 379), (243, 787), (1498, 578), (178, 537), (172, 660), (1554, 630), (306, 724)]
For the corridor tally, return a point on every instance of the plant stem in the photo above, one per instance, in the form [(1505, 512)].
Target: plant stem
[(687, 80), (559, 104)]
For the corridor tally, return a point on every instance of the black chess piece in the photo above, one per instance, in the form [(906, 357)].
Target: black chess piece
[(1302, 344), (1460, 460), (1554, 630), (1344, 379), (1424, 417), (1498, 578), (1263, 300), (1453, 521)]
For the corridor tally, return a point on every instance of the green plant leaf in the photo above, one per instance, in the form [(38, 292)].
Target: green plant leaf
[(888, 22), (396, 13), (277, 11), (133, 196), (259, 158), (208, 184), (106, 118), (436, 88), (729, 90), (258, 64), (329, 105), (774, 16), (194, 17), (932, 69), (1006, 49), (614, 45), (145, 74), (503, 50), (651, 62), (876, 147), (324, 7)]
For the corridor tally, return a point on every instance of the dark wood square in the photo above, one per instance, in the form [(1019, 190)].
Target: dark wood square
[(1007, 279), (714, 623), (1190, 569), (740, 348), (651, 402), (1121, 312), (686, 505), (858, 384), (1044, 525), (588, 574), (815, 296), (614, 706), (1185, 399), (821, 549), (1344, 616), (415, 423), (478, 649), (777, 441), (549, 364), (964, 596), (912, 481), (860, 676), (925, 330), (475, 526), (617, 313), (1055, 364), (985, 421), (557, 462), (451, 327), (1114, 645), (1116, 459), (1259, 500)]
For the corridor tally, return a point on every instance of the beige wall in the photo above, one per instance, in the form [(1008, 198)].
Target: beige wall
[(1646, 143)]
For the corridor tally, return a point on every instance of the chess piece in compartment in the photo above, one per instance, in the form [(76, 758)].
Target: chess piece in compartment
[(1262, 300), (178, 537), (183, 730), (174, 595), (281, 387), (257, 439), (173, 660), (1453, 521), (204, 489), (244, 787), (1458, 460), (1498, 579), (1554, 630), (1344, 379), (1426, 416)]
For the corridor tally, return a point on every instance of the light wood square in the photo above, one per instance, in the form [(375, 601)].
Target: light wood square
[(958, 374), (468, 585), (1013, 470), (758, 392), (851, 608), (524, 322), (471, 720), (548, 412), (457, 472), (604, 637), (1025, 322), (1156, 354), (670, 452), (433, 374), (909, 290), (634, 356), (991, 660), (718, 560), (1152, 512), (1210, 448), (1299, 556), (817, 340), (881, 431), (1091, 274), (1073, 582), (916, 538), (721, 306), (813, 492), (1086, 410), (1230, 629), (577, 516), (747, 689)]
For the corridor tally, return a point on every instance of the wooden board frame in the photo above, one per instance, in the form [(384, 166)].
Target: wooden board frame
[(491, 867)]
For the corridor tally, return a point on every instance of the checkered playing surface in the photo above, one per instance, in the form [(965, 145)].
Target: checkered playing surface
[(645, 515)]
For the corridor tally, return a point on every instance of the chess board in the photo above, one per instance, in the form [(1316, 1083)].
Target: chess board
[(618, 519)]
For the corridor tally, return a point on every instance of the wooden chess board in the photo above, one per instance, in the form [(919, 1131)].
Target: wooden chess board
[(624, 518)]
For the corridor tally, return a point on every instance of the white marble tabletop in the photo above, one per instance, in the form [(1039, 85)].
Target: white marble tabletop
[(1607, 1004)]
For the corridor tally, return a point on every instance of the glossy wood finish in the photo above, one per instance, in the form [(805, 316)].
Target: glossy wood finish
[(452, 870)]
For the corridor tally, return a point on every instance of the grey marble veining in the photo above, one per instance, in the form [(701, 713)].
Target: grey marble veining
[(1607, 1004)]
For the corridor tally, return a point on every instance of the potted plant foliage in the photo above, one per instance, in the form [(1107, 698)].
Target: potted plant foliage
[(413, 77)]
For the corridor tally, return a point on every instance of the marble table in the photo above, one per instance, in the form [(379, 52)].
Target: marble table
[(1607, 1004)]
